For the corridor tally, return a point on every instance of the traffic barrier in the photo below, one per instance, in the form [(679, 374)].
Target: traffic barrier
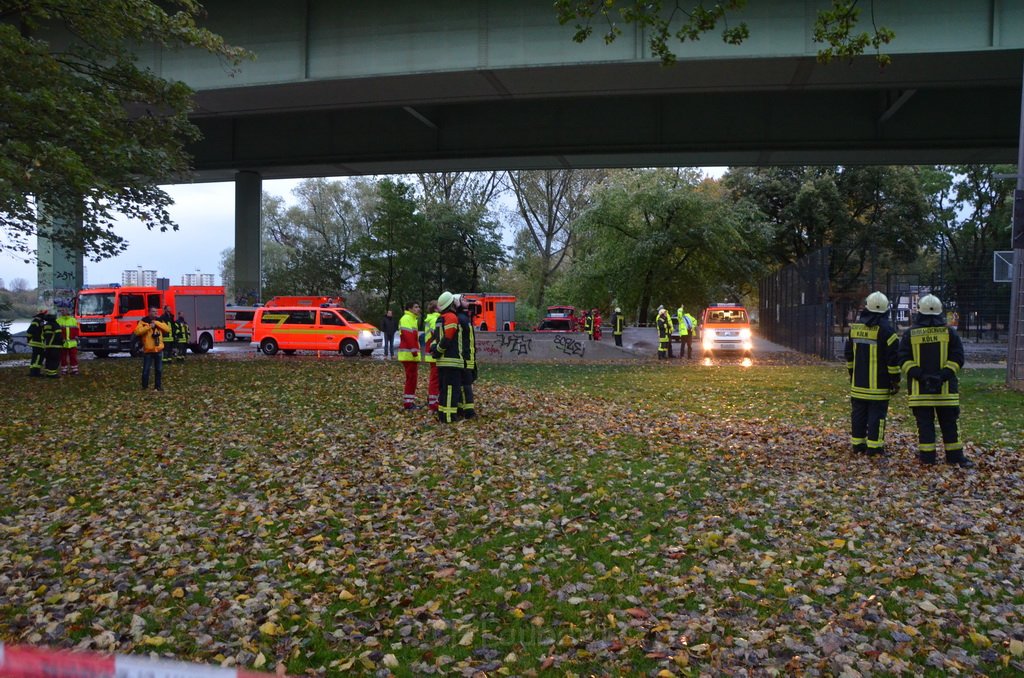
[(22, 661)]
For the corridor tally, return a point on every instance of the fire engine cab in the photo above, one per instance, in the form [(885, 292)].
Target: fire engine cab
[(107, 316)]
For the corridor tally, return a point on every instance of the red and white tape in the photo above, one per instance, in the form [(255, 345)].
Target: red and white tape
[(20, 661)]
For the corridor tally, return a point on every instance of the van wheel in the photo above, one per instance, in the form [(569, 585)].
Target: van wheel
[(349, 348), (268, 347), (229, 335), (204, 345), (483, 327)]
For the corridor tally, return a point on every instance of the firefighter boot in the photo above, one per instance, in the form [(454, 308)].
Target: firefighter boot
[(927, 457)]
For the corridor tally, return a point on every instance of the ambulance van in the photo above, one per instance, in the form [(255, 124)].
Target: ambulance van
[(301, 328)]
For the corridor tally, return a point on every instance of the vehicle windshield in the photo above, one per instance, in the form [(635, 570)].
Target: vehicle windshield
[(728, 316), (349, 315), (96, 304)]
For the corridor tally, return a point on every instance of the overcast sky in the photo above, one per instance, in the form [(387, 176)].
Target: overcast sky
[(205, 214)]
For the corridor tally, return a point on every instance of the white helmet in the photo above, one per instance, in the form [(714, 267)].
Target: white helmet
[(618, 310), (445, 300), (877, 302), (929, 304)]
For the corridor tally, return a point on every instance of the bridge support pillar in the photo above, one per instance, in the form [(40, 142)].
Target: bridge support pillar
[(248, 260), (59, 269)]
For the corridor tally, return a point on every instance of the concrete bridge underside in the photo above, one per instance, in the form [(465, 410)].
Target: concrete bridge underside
[(944, 108)]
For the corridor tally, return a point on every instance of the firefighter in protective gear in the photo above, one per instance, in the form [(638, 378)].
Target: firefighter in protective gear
[(450, 364), (409, 352), (53, 342), (69, 349), (617, 323), (430, 334), (932, 355), (170, 339), (467, 406), (588, 325), (35, 340), (664, 323), (182, 333), (687, 328), (872, 360)]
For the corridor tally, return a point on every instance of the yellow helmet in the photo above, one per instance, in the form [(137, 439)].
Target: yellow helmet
[(929, 304), (877, 302)]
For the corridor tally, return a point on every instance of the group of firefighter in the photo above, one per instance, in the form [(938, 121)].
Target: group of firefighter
[(447, 343), (54, 338), (930, 355), (685, 324), (54, 342)]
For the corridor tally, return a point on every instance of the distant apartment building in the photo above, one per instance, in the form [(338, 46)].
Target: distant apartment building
[(138, 277), (193, 279)]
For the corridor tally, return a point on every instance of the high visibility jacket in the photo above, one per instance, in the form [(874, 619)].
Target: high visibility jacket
[(35, 331), (152, 339), (933, 348), (872, 356), (430, 334), (449, 345), (69, 328), (409, 337), (664, 323), (687, 323), (181, 331), (588, 324), (468, 348), (617, 323)]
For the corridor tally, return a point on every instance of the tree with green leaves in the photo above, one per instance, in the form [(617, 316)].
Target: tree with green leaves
[(875, 219), (394, 253), (319, 237), (663, 22), (86, 133), (972, 209), (466, 243), (666, 237)]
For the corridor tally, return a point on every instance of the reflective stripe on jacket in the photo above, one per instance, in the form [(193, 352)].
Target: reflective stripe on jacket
[(408, 337)]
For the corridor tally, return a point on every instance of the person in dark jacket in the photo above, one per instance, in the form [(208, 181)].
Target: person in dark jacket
[(618, 321), (450, 363), (388, 326), (872, 360), (932, 355), (35, 341), (53, 342)]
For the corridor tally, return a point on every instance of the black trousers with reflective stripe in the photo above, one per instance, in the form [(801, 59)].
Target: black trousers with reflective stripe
[(947, 417), (867, 420), (450, 398)]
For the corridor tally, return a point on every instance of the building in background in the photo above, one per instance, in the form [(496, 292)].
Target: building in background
[(138, 278), (197, 279)]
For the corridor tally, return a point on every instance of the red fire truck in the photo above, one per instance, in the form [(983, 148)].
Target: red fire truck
[(107, 316), (492, 312)]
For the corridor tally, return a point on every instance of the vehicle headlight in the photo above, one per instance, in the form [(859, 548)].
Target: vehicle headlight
[(745, 333), (709, 340), (365, 334)]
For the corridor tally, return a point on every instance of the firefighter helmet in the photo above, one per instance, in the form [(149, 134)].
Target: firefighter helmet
[(929, 304), (877, 302), (445, 300), (618, 310)]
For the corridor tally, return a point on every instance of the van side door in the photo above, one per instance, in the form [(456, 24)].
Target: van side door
[(330, 331)]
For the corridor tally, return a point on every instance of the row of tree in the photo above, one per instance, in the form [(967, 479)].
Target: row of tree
[(634, 238)]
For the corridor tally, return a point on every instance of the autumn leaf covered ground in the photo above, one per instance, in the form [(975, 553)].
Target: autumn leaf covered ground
[(648, 519)]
